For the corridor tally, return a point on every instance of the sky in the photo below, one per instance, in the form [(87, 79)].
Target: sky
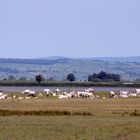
[(70, 28)]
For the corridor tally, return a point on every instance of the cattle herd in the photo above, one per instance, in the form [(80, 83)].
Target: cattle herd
[(87, 94), (125, 94)]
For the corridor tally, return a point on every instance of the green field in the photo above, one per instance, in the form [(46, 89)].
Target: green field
[(109, 119), (68, 84)]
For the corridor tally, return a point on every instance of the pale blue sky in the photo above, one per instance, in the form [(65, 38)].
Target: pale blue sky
[(73, 28)]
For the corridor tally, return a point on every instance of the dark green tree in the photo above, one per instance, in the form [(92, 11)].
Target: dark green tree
[(70, 77), (39, 78), (103, 76)]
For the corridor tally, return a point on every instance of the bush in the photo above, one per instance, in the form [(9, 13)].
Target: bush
[(103, 76), (70, 77)]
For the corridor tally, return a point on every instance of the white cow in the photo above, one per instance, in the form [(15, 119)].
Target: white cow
[(138, 91), (112, 94), (124, 94), (57, 91), (29, 93), (3, 96), (14, 96), (87, 95), (132, 95), (89, 90), (1, 93), (62, 96), (48, 92), (40, 95), (115, 97)]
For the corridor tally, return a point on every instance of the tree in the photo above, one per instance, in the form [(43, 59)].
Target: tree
[(11, 78), (103, 76), (39, 78), (70, 77)]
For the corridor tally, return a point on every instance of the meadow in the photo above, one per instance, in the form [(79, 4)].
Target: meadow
[(18, 83), (70, 119)]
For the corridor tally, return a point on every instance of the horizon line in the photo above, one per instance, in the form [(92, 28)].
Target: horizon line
[(68, 57)]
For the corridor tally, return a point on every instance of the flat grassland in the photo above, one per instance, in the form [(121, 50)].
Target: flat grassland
[(108, 119)]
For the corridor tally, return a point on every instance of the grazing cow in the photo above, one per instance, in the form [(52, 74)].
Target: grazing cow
[(14, 96), (89, 90), (112, 94), (29, 93), (97, 96), (48, 92), (57, 91), (132, 95), (40, 95), (138, 92), (124, 94), (3, 96), (115, 97), (26, 91), (54, 94), (1, 93), (62, 96), (87, 95)]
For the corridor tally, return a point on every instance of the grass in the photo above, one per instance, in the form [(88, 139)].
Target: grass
[(61, 84), (42, 113), (67, 84), (71, 119), (69, 128)]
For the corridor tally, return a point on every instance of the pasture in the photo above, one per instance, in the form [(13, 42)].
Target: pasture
[(108, 119)]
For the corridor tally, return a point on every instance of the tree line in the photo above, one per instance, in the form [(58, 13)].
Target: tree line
[(96, 77), (104, 76)]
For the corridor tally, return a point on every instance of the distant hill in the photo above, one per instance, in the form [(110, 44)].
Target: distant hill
[(120, 59), (56, 58), (58, 67)]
